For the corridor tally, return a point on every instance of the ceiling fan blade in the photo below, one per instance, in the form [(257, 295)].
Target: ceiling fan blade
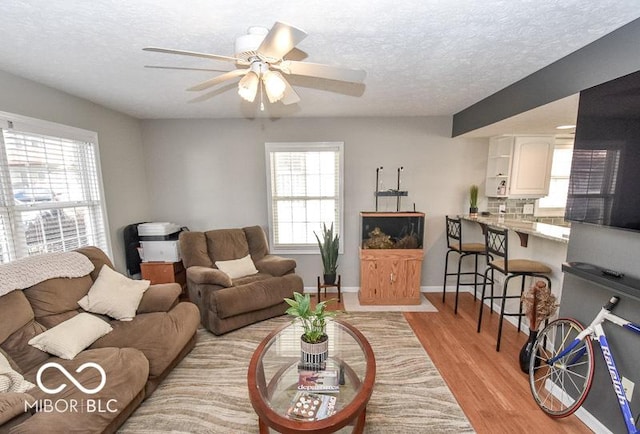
[(215, 92), (290, 95), (181, 68), (192, 53), (296, 54), (322, 71), (280, 40), (219, 79)]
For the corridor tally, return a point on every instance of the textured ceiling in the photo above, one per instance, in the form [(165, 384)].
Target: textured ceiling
[(422, 57)]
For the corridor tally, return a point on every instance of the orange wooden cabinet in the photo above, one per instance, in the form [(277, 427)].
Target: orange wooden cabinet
[(165, 272), (390, 276)]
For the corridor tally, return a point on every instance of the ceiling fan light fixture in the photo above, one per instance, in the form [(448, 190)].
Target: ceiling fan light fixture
[(274, 85), (248, 86)]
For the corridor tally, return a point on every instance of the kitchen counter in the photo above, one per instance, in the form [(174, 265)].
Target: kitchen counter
[(524, 228)]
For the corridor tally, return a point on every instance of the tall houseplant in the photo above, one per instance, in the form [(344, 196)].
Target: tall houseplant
[(473, 201), (314, 343), (329, 245)]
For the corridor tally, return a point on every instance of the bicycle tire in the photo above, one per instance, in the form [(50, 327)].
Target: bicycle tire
[(561, 388)]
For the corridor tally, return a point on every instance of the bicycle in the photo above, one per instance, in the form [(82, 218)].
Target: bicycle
[(562, 364)]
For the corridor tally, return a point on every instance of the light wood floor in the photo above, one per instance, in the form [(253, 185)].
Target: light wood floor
[(489, 386)]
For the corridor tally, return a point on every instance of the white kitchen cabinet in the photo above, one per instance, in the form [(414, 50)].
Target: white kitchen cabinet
[(519, 166)]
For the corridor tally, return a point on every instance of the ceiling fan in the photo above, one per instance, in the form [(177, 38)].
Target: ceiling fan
[(260, 58)]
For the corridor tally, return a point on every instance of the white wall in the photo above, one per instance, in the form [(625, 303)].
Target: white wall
[(119, 141), (208, 174)]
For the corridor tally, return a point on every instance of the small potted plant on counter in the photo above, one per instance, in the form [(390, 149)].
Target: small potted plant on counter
[(473, 201), (314, 342)]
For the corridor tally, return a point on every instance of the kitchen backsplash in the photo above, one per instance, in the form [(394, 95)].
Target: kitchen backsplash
[(514, 210)]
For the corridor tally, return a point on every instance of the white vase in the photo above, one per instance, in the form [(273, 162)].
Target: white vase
[(314, 354)]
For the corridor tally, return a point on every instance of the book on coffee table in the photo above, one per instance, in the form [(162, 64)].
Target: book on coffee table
[(319, 381), (309, 406)]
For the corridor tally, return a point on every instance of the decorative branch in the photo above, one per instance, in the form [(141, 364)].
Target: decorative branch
[(539, 304)]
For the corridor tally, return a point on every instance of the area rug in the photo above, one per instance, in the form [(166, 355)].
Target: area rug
[(352, 304), (207, 391)]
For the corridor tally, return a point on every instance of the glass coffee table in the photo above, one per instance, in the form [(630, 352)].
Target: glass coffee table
[(273, 379)]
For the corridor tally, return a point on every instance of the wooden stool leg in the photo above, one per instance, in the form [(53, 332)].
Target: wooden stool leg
[(339, 288), (318, 288), (484, 288), (475, 279)]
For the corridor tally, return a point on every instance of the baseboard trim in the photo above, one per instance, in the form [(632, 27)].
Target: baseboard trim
[(314, 289)]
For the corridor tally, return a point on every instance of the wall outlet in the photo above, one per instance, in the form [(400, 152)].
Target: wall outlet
[(502, 208), (527, 209), (628, 386)]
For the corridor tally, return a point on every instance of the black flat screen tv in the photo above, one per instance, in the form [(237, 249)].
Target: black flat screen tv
[(604, 186)]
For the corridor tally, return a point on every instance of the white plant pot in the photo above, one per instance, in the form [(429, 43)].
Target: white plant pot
[(314, 354)]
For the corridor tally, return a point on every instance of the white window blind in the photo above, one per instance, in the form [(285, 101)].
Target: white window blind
[(51, 197), (305, 191)]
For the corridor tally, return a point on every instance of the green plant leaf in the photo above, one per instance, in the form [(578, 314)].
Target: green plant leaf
[(329, 247)]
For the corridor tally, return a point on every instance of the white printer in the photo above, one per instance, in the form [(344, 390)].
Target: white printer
[(159, 242)]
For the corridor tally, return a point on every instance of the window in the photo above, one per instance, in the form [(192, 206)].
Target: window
[(554, 203), (304, 182), (51, 190), (594, 180)]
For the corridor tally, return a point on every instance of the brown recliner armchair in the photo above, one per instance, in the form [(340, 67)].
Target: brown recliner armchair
[(227, 304)]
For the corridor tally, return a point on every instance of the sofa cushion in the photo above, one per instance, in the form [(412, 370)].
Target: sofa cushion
[(237, 267), (276, 265), (15, 312), (160, 297), (160, 335), (250, 279), (208, 276), (17, 348), (70, 337), (12, 404), (56, 296), (115, 295), (126, 371), (226, 244), (250, 297), (257, 241), (193, 249), (97, 257)]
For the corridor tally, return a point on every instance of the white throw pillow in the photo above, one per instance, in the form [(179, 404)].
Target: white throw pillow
[(70, 337), (115, 295), (237, 267)]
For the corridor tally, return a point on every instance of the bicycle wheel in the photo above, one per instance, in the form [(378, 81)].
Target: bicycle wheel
[(560, 388)]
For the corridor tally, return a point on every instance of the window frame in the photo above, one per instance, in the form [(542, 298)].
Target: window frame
[(303, 147), (28, 125), (539, 211)]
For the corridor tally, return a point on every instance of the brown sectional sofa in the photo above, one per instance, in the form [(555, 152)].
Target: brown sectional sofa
[(228, 304), (136, 356)]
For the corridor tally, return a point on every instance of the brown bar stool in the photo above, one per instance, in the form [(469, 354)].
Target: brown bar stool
[(497, 244), (455, 244)]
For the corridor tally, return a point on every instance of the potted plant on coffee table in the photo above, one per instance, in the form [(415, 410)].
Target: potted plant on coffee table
[(473, 201), (329, 245), (314, 342)]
